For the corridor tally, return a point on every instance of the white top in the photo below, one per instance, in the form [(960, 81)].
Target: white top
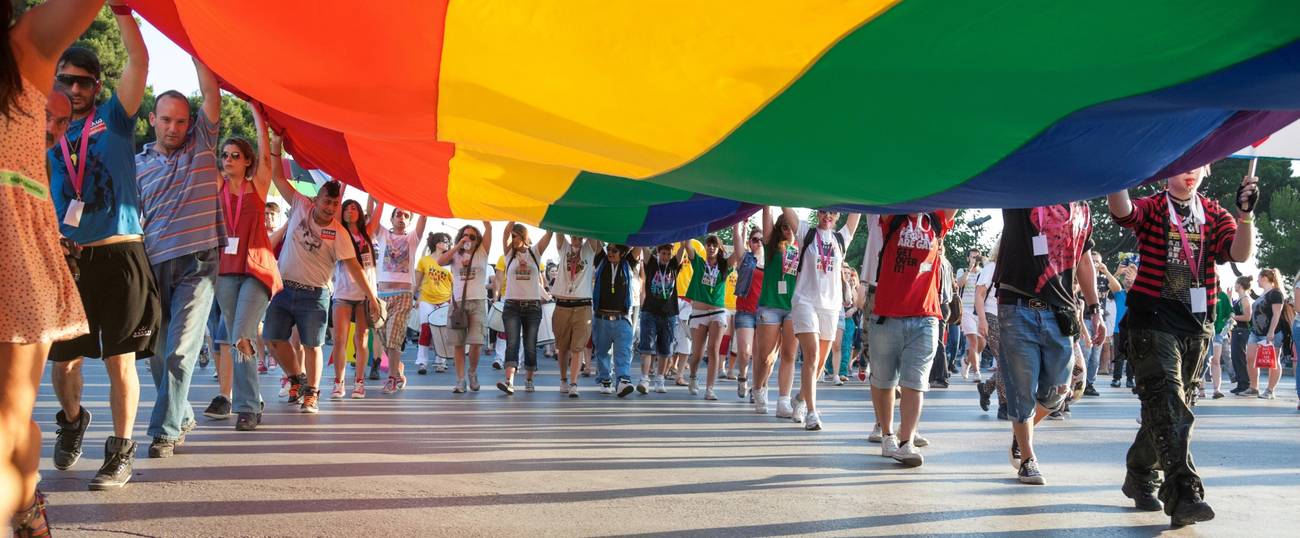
[(871, 256), (968, 291), (522, 270), (820, 281), (638, 281), (472, 268), (574, 280), (985, 278), (345, 287), (396, 264), (310, 250)]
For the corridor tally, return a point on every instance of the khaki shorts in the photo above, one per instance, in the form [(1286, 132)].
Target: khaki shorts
[(473, 335), (572, 327), (398, 307)]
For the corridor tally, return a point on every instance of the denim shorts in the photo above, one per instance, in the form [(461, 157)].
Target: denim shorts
[(1036, 359), (746, 320), (304, 309), (772, 316), (1258, 339), (656, 334), (902, 351)]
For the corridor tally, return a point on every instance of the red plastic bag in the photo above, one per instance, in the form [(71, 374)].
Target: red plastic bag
[(1266, 356)]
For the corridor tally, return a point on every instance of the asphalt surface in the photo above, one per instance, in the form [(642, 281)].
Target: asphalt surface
[(426, 462)]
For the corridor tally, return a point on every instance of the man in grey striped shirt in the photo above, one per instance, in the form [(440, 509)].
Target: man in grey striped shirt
[(184, 227)]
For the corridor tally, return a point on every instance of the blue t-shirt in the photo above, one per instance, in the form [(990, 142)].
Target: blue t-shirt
[(1121, 306), (109, 190)]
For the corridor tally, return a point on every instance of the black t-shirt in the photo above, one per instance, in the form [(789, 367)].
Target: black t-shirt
[(1262, 312), (661, 286), (612, 285), (1048, 277), (1103, 288)]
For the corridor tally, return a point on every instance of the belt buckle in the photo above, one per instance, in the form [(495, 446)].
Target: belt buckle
[(1037, 304)]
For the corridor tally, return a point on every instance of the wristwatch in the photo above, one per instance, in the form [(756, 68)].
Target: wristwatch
[(1090, 310)]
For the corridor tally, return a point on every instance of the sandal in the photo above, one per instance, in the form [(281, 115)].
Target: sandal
[(31, 522)]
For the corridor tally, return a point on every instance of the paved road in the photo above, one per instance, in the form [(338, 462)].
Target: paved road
[(430, 463)]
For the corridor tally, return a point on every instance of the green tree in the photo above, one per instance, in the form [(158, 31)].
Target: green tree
[(967, 234), (1278, 229)]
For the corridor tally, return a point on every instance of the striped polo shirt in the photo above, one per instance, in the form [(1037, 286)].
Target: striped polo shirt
[(179, 195), (1164, 275)]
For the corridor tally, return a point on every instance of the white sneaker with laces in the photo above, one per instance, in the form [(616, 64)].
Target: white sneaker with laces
[(875, 436), (888, 446), (624, 388), (284, 387), (800, 410), (694, 387), (784, 409), (760, 401), (606, 388), (659, 386), (742, 389), (573, 390), (359, 390), (813, 422), (709, 395), (564, 387), (643, 386), (907, 454), (919, 441), (337, 393)]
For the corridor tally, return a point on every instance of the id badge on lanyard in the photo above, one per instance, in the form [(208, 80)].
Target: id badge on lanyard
[(232, 242), (1198, 294), (72, 217)]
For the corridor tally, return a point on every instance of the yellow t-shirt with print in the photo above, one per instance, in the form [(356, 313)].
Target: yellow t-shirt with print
[(436, 287)]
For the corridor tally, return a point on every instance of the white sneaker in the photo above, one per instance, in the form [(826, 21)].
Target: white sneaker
[(760, 401), (839, 381), (643, 386), (659, 386), (919, 441), (440, 366), (907, 454), (800, 410), (709, 395), (337, 393), (606, 388), (573, 390), (459, 388), (694, 387), (783, 409), (284, 387), (564, 387), (813, 422), (625, 388), (875, 436), (888, 446), (473, 381), (742, 389)]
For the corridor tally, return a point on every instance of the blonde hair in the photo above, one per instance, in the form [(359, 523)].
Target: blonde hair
[(1272, 276)]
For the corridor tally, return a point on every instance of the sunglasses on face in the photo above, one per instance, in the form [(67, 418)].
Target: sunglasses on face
[(755, 239), (232, 155), (73, 81), (472, 237)]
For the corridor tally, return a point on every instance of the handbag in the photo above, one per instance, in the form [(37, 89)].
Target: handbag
[(458, 319), (1266, 356)]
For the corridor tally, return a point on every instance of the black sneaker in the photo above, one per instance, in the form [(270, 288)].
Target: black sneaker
[(507, 388), (218, 409), (1090, 391), (1002, 411), (374, 373), (119, 455), (1129, 384), (1029, 473), (1115, 384), (423, 370), (67, 443), (247, 422), (1190, 512), (1237, 391), (162, 448), (939, 384), (985, 389), (1144, 497)]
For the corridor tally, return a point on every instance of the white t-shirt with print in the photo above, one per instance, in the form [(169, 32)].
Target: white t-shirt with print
[(469, 274), (985, 278), (522, 270), (820, 281), (574, 280), (345, 287), (310, 250), (396, 262)]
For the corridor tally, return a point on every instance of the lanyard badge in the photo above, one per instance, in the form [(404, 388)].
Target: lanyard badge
[(76, 176)]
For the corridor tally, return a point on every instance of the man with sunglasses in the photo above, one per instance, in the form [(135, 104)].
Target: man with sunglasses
[(97, 201), (185, 225)]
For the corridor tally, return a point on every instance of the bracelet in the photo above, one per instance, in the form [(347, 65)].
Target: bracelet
[(121, 9)]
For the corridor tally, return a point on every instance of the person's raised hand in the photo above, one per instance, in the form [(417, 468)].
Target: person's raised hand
[(1248, 194)]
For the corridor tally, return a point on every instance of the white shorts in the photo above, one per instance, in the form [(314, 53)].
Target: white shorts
[(702, 316), (806, 319), (969, 323), (681, 338)]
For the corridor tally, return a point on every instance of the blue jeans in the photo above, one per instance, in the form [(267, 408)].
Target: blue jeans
[(903, 351), (291, 307), (243, 301), (185, 289), (521, 318), (1295, 341), (1036, 359), (1091, 354), (615, 333)]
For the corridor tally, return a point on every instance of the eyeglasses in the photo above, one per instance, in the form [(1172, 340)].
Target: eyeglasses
[(232, 155), (73, 81)]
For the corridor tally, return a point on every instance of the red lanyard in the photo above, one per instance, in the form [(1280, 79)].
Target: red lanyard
[(239, 206), (79, 175), (1187, 249)]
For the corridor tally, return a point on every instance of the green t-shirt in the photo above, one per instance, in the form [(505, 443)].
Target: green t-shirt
[(1222, 312), (708, 284), (779, 277)]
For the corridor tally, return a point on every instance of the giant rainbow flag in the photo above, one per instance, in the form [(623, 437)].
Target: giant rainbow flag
[(646, 121)]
